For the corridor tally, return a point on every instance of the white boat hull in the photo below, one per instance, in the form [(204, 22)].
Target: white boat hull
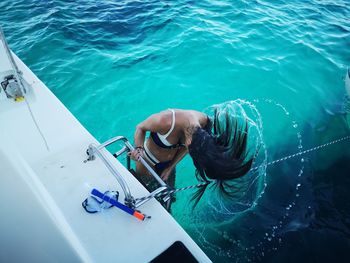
[(44, 181)]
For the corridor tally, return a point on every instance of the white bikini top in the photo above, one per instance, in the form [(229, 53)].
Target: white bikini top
[(163, 138)]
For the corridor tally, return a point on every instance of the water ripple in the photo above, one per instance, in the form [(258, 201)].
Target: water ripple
[(123, 60)]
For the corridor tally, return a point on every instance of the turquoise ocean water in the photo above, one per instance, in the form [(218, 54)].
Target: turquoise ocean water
[(113, 63)]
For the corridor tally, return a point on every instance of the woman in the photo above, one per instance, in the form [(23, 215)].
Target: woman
[(218, 148)]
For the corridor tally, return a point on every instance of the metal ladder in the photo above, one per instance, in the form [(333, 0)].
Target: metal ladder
[(97, 150)]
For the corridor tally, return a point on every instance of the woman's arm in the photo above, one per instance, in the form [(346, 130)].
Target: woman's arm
[(139, 135), (152, 123), (181, 153)]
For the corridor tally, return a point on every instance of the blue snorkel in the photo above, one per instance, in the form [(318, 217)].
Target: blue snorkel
[(119, 205)]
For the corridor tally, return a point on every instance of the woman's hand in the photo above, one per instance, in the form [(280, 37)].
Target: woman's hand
[(136, 153)]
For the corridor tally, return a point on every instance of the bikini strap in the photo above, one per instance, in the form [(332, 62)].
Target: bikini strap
[(172, 125)]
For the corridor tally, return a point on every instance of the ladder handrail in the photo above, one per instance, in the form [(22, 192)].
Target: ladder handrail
[(131, 148), (94, 150)]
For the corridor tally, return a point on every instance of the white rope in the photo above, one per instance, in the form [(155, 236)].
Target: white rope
[(303, 152), (173, 191), (37, 125), (19, 80)]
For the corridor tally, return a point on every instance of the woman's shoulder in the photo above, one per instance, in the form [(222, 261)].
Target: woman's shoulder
[(183, 117), (189, 118), (196, 116), (164, 120)]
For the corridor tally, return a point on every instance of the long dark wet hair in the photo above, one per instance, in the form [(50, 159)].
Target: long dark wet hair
[(219, 152)]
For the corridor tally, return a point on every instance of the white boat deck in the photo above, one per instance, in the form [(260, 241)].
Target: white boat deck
[(42, 190)]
